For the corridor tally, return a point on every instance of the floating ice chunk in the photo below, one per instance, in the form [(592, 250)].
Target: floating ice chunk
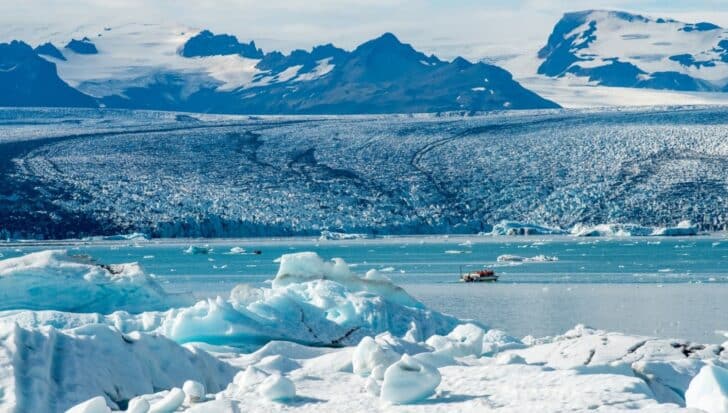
[(369, 355), (684, 228), (611, 230), (138, 405), (277, 388), (709, 390), (197, 250), (237, 250), (339, 236), (519, 228), (170, 402), (95, 405), (374, 275), (55, 280), (194, 390), (518, 258), (409, 380), (135, 236)]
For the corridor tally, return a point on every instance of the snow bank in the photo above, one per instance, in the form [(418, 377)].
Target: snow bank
[(95, 405), (520, 228), (409, 380), (708, 391), (55, 280), (49, 370)]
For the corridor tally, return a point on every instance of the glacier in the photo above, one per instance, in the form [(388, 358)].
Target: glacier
[(104, 173)]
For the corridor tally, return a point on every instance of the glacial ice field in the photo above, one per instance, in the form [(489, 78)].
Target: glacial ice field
[(74, 173)]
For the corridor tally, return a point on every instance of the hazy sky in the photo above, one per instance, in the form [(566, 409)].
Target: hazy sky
[(449, 27)]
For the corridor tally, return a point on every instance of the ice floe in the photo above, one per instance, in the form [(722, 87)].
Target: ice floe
[(521, 228)]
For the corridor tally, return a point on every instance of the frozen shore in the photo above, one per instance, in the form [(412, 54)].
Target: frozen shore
[(321, 338)]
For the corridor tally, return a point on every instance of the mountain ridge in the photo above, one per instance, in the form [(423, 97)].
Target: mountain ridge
[(216, 73)]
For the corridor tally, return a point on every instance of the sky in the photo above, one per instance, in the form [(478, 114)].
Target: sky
[(471, 28)]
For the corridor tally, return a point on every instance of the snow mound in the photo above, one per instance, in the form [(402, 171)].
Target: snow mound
[(708, 391), (409, 380), (49, 370), (520, 228), (277, 388), (194, 390), (371, 358), (55, 280)]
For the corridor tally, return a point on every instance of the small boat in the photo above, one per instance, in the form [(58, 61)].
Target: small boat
[(484, 275)]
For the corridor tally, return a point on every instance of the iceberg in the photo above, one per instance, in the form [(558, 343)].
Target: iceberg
[(684, 228), (341, 236), (56, 280), (611, 230), (520, 259), (520, 228), (708, 391)]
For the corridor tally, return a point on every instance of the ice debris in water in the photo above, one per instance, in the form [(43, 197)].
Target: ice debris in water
[(708, 390), (409, 380), (198, 250), (520, 228), (518, 258), (56, 280)]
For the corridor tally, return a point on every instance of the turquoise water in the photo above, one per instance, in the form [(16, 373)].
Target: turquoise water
[(667, 287)]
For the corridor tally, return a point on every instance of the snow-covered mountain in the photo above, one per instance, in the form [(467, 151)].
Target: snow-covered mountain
[(614, 48), (174, 68)]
